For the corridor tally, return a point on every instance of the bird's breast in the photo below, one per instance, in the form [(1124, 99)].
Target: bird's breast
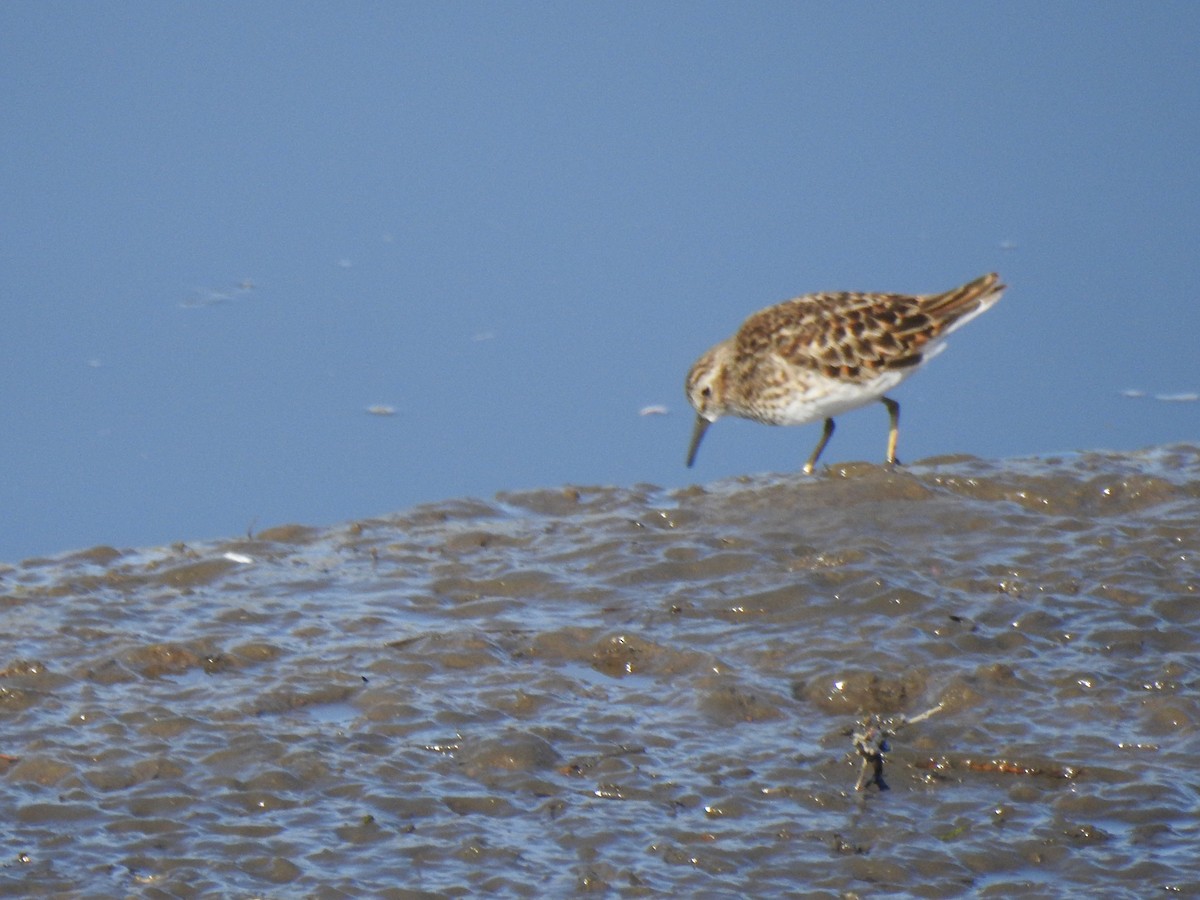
[(807, 396)]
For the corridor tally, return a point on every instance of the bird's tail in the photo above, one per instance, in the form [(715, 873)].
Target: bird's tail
[(960, 305)]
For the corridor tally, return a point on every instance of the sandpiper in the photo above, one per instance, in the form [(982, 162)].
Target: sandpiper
[(820, 355)]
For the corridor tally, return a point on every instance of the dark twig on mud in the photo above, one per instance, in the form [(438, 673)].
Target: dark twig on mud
[(871, 743)]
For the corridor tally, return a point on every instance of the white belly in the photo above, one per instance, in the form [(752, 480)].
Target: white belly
[(825, 398)]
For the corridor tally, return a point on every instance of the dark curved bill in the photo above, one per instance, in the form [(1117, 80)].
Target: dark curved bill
[(697, 433)]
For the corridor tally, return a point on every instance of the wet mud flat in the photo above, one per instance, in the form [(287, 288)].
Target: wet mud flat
[(628, 691)]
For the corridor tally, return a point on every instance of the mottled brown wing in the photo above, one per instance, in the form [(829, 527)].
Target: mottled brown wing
[(849, 336)]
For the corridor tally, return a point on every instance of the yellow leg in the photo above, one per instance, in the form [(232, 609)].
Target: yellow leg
[(893, 409), (816, 454)]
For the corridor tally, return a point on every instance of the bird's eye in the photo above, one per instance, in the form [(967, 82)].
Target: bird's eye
[(706, 392)]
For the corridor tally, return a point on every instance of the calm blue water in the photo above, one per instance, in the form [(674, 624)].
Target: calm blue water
[(231, 229)]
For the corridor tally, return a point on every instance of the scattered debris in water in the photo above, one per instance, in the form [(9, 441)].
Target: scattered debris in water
[(1000, 766), (871, 743), (1185, 397), (205, 297), (1177, 398)]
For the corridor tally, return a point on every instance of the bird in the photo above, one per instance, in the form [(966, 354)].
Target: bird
[(821, 355)]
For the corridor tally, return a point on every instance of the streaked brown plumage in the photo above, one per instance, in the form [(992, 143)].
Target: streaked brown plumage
[(817, 356)]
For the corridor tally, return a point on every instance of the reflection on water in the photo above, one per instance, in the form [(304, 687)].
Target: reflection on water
[(627, 690)]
